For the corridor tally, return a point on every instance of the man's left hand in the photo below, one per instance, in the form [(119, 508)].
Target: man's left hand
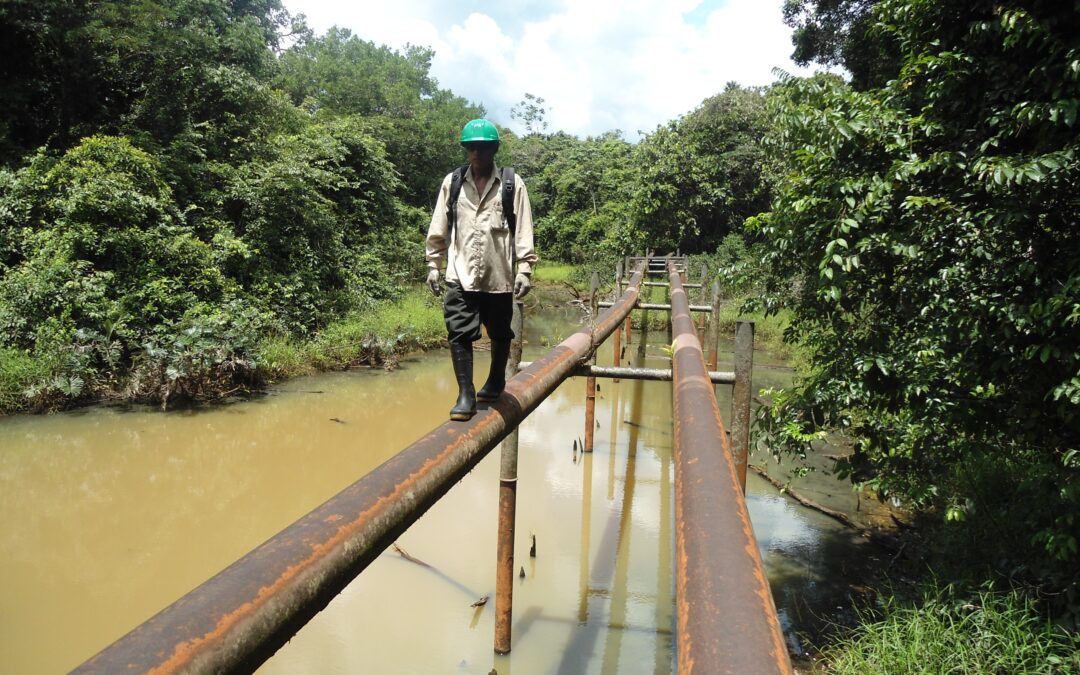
[(522, 286)]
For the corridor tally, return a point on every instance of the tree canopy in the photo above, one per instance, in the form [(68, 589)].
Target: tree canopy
[(930, 227), (842, 33), (160, 180)]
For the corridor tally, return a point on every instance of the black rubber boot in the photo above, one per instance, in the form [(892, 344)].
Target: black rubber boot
[(496, 381), (462, 357)]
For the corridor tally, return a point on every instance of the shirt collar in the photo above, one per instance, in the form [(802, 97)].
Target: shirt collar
[(495, 173)]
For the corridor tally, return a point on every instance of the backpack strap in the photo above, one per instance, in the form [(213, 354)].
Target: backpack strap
[(508, 197), (456, 179), (508, 211)]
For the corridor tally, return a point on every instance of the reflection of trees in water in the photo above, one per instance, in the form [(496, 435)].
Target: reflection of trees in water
[(99, 499)]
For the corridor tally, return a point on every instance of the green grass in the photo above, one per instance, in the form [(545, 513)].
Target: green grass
[(18, 372), (768, 329), (375, 337), (552, 273), (992, 633)]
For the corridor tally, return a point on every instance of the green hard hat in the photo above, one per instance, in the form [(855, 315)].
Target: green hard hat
[(479, 131)]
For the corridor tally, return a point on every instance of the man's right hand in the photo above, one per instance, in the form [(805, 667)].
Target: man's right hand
[(433, 283)]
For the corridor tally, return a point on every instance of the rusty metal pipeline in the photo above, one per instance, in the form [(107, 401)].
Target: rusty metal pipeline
[(237, 620), (653, 374), (725, 617)]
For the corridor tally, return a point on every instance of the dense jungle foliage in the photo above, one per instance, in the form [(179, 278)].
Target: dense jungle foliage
[(925, 236), (184, 182)]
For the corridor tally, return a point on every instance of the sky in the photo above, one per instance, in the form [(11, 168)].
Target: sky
[(600, 65)]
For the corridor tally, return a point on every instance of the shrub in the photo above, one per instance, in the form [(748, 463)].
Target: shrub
[(992, 633)]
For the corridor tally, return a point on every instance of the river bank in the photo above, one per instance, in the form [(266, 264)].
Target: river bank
[(215, 361), (901, 608), (211, 363)]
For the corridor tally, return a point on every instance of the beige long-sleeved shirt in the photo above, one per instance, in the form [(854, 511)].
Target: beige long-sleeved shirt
[(478, 258)]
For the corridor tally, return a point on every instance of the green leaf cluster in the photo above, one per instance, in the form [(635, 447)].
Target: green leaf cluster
[(704, 174), (177, 185), (580, 191), (930, 228), (687, 185), (394, 92)]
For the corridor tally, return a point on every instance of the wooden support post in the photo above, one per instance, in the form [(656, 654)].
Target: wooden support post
[(714, 324), (667, 301), (644, 296), (590, 382), (616, 346), (504, 562), (629, 323), (702, 326), (740, 397)]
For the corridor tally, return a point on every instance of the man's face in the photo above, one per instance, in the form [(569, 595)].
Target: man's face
[(481, 156)]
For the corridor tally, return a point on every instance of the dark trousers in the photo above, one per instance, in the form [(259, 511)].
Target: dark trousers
[(464, 311)]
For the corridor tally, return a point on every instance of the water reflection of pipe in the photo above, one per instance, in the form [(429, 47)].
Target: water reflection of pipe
[(637, 393), (617, 613), (616, 413), (611, 553), (240, 617), (662, 654), (628, 627), (586, 528), (725, 616)]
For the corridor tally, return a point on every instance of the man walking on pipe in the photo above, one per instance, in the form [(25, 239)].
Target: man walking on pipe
[(480, 231)]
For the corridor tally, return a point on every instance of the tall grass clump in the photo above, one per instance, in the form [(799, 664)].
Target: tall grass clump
[(553, 273), (19, 373), (375, 337), (993, 633), (768, 328)]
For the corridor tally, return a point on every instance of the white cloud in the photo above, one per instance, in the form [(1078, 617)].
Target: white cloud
[(600, 65)]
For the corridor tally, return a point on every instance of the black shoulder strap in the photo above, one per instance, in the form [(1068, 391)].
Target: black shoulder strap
[(456, 179), (508, 212), (508, 198)]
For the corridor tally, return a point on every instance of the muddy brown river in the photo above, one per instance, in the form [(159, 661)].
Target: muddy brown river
[(112, 513)]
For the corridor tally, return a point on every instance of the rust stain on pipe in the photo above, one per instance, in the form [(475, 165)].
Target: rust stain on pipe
[(508, 471), (237, 619), (504, 568), (725, 617)]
